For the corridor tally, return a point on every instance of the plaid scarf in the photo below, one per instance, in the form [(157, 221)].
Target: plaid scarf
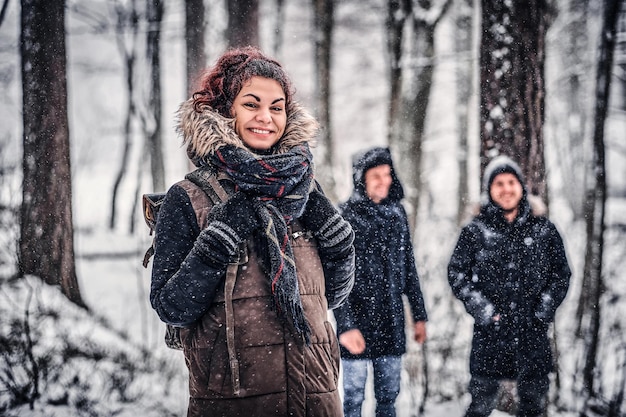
[(281, 182)]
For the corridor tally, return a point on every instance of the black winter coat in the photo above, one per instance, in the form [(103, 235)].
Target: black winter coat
[(385, 269), (518, 270)]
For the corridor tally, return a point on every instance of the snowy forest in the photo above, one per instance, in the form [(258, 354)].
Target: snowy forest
[(88, 94)]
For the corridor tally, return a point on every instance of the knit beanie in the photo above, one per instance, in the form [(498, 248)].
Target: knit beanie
[(500, 165)]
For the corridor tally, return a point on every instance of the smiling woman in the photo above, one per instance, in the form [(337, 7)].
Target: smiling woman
[(259, 112), (256, 337)]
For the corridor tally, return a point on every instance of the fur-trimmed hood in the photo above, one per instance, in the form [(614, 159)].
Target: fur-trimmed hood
[(206, 131)]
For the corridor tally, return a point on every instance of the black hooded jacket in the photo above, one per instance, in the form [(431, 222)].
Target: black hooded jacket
[(385, 265), (517, 270)]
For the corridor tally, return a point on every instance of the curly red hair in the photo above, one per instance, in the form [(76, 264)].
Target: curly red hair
[(220, 84)]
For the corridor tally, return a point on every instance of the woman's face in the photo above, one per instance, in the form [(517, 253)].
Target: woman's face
[(260, 113)]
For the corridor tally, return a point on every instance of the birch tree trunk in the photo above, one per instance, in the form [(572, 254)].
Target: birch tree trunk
[(464, 47), (593, 285)]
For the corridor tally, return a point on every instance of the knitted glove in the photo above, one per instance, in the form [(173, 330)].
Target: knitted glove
[(323, 219), (229, 224)]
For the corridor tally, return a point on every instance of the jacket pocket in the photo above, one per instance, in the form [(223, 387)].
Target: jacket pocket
[(206, 355)]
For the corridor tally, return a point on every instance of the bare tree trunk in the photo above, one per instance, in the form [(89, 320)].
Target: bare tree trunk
[(512, 95), (593, 285), (154, 10), (414, 104), (243, 23), (127, 22), (3, 11), (46, 244), (323, 27), (194, 42), (397, 14), (512, 86)]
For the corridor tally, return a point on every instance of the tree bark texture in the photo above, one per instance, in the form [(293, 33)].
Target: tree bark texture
[(323, 26), (243, 23), (46, 243), (593, 285), (397, 14), (154, 9), (194, 42), (512, 86)]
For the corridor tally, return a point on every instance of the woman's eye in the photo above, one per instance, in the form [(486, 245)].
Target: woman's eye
[(277, 109), (250, 105)]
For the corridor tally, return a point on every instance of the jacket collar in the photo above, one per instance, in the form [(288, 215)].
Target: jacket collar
[(206, 130)]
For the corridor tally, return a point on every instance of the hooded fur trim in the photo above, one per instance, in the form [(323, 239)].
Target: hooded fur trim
[(206, 131)]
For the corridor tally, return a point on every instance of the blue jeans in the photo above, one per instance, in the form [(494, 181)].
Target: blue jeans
[(387, 370)]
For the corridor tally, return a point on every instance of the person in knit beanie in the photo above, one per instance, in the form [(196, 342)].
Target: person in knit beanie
[(510, 271)]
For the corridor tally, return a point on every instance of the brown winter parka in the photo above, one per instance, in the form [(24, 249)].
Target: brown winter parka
[(278, 374)]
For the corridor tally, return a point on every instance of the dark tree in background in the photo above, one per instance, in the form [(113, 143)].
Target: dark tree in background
[(512, 96), (153, 118), (398, 11), (243, 23), (194, 42), (512, 91), (46, 244), (323, 22)]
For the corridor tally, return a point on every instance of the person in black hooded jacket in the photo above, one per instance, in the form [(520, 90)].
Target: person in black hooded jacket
[(510, 270), (371, 323)]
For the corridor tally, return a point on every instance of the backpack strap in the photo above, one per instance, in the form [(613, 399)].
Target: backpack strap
[(151, 204), (207, 180)]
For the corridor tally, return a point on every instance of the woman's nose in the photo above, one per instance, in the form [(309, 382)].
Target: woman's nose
[(264, 116)]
